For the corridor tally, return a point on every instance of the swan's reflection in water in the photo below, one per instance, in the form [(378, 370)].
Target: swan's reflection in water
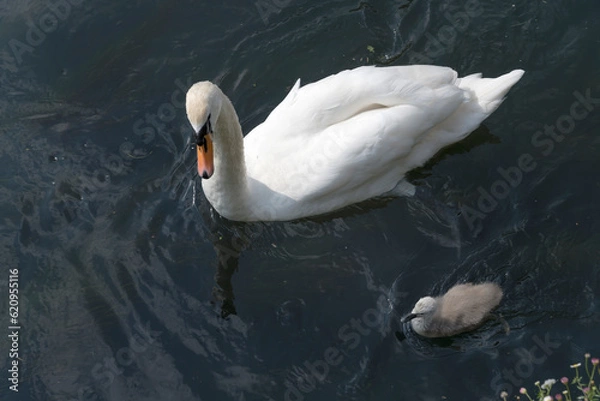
[(229, 241)]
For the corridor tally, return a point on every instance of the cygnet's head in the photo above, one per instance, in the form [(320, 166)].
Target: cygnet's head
[(203, 103), (423, 309)]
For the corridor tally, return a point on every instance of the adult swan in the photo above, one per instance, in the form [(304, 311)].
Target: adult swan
[(344, 139)]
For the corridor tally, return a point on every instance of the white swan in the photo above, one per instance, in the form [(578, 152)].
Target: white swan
[(344, 139)]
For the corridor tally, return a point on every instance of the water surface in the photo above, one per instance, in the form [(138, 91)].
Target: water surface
[(131, 287)]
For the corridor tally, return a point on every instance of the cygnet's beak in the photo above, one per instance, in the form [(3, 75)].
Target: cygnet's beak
[(204, 149), (409, 317)]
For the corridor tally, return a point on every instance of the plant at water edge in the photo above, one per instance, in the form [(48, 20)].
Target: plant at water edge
[(587, 387)]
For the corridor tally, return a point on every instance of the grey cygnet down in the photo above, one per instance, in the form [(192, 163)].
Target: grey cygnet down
[(463, 308)]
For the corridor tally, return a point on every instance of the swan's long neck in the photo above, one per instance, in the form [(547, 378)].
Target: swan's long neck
[(227, 189)]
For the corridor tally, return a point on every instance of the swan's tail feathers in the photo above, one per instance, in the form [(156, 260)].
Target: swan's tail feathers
[(490, 92)]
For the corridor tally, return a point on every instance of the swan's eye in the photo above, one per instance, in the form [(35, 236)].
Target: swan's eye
[(201, 143), (206, 128), (209, 125), (201, 135)]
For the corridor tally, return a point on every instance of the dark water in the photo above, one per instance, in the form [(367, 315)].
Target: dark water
[(131, 288)]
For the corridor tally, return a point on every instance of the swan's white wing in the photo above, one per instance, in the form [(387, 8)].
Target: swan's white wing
[(364, 151)]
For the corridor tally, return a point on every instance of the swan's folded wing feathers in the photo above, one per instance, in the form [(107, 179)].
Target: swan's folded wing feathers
[(345, 155), (368, 150)]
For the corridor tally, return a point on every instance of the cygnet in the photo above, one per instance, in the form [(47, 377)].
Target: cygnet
[(463, 308)]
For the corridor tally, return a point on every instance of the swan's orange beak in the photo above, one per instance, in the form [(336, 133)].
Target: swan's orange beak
[(206, 166)]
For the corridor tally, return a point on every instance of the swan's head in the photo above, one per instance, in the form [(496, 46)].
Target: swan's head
[(423, 308), (203, 103)]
